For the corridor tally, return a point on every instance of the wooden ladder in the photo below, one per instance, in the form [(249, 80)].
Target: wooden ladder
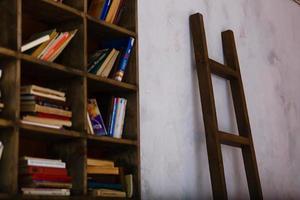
[(214, 137)]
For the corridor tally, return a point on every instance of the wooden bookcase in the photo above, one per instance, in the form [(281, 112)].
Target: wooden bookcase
[(20, 19)]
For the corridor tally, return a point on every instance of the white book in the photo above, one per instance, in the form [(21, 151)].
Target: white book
[(34, 43), (120, 118), (42, 159), (1, 149), (46, 191), (40, 124), (0, 73), (90, 124), (41, 163)]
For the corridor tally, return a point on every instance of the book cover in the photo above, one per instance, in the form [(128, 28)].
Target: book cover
[(56, 122), (119, 12), (43, 170), (105, 9), (39, 50), (45, 103), (45, 109), (47, 184), (90, 127), (129, 185), (118, 130), (106, 61), (27, 161), (94, 67), (35, 41), (110, 65), (32, 88), (49, 116), (45, 177), (96, 118), (31, 97), (102, 170), (112, 11)]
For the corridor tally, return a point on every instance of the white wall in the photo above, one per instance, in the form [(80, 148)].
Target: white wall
[(174, 157)]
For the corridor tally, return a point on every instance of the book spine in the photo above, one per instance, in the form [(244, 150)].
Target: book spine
[(43, 177), (45, 164), (124, 61), (45, 170), (113, 116), (105, 9), (56, 46), (118, 118)]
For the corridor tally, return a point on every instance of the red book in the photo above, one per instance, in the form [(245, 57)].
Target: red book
[(52, 116), (56, 46), (44, 170), (46, 177)]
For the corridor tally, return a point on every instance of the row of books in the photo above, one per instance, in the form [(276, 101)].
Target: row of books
[(114, 54), (107, 10), (116, 119), (1, 101), (44, 107), (98, 187), (40, 176), (48, 45)]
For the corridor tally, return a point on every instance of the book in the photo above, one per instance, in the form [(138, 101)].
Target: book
[(96, 185), (42, 170), (102, 170), (45, 109), (39, 50), (105, 9), (62, 47), (43, 92), (36, 40), (40, 124), (96, 62), (96, 118), (44, 177), (1, 149), (31, 97), (118, 129), (45, 115), (96, 7), (58, 35), (119, 12), (49, 121), (110, 65), (112, 11), (100, 163), (47, 184), (46, 191), (107, 193), (129, 185), (42, 162), (106, 61), (112, 118), (45, 103), (125, 45), (90, 127)]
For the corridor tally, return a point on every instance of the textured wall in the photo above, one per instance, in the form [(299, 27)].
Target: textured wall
[(174, 157)]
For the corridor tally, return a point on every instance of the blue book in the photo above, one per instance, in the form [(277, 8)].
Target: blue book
[(125, 45), (97, 185), (105, 9), (113, 116)]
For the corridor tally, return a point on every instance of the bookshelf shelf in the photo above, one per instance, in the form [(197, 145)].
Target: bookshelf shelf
[(107, 30), (105, 139), (96, 83), (22, 19), (5, 123)]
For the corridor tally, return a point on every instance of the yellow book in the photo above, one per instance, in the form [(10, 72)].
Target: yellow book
[(102, 170), (100, 163), (112, 11)]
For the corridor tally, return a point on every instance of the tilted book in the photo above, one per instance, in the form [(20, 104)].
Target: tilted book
[(96, 118)]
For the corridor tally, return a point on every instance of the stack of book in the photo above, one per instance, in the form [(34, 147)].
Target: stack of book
[(114, 55), (48, 45), (1, 102), (109, 11), (44, 107), (116, 119), (39, 176), (96, 185)]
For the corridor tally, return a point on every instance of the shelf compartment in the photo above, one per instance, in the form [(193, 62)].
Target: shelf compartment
[(39, 21), (97, 83)]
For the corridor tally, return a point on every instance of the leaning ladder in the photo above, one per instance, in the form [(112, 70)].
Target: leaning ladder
[(214, 137)]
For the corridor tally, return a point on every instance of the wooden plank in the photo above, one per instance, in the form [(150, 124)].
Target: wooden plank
[(208, 107), (222, 70), (239, 100), (105, 139), (233, 140)]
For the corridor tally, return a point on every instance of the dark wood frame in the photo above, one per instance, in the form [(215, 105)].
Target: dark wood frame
[(19, 19)]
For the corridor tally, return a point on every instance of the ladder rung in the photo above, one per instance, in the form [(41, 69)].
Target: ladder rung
[(233, 140), (222, 70)]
